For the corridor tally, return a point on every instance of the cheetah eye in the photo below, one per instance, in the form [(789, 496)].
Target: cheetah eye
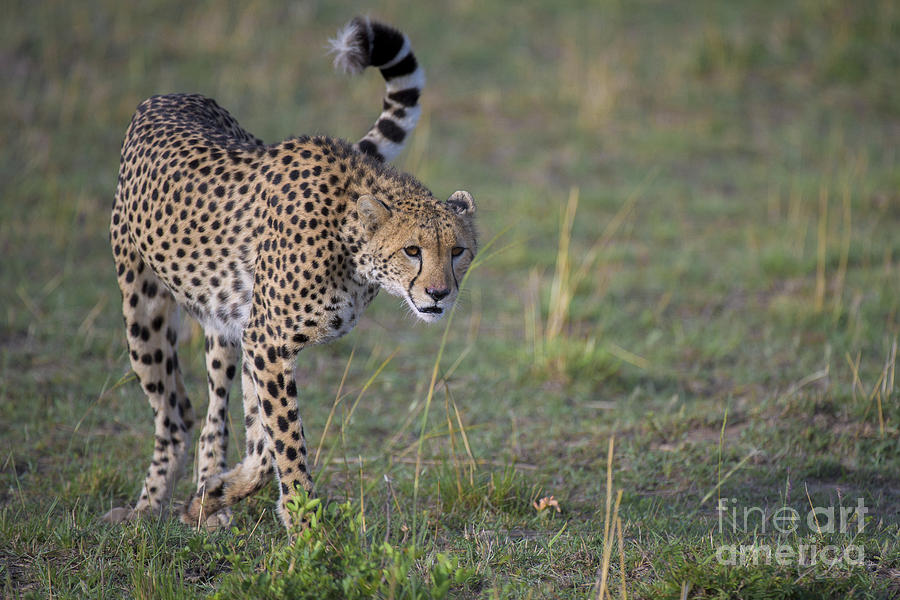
[(413, 251), (456, 251)]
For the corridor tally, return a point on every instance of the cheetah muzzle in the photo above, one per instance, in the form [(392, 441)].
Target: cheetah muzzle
[(272, 248)]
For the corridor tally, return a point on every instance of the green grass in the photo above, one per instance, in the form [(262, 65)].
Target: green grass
[(735, 329)]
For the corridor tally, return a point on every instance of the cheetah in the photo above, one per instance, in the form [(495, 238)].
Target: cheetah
[(271, 248)]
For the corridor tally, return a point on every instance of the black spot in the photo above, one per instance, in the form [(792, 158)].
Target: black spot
[(390, 130), (407, 97), (386, 43), (404, 67), (367, 147)]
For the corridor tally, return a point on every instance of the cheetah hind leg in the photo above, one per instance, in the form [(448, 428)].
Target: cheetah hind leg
[(151, 331), (252, 473), (221, 366)]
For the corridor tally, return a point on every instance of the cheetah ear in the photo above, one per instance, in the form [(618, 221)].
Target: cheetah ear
[(462, 203), (372, 212)]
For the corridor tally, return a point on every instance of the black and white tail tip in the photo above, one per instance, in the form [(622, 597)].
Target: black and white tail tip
[(366, 43)]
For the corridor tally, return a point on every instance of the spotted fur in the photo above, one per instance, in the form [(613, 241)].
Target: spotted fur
[(272, 248)]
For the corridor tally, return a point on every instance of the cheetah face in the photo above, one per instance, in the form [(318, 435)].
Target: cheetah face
[(420, 253)]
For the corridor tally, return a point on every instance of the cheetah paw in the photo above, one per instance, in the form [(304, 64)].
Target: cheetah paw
[(191, 515), (119, 514), (219, 520)]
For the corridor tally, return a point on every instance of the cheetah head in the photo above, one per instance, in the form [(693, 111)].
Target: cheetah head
[(419, 252)]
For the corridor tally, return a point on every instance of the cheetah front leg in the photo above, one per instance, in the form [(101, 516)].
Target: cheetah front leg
[(221, 365), (272, 367), (275, 439)]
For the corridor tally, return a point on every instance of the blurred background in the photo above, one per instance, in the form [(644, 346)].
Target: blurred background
[(695, 217)]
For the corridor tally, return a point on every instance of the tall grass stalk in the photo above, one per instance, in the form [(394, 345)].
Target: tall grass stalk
[(567, 276), (563, 286), (611, 524), (346, 420), (883, 389)]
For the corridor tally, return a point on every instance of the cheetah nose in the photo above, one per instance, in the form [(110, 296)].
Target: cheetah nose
[(437, 293)]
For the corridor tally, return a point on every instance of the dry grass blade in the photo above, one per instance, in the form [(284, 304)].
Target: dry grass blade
[(359, 396), (887, 383), (628, 356), (567, 277), (368, 384), (731, 472), (719, 457), (465, 438), (854, 369), (129, 376), (812, 509), (88, 323), (562, 288), (337, 399), (459, 488), (610, 522), (621, 536)]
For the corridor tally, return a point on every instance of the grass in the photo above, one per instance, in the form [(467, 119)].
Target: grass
[(695, 211)]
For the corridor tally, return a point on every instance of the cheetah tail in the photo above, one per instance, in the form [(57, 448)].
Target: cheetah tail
[(366, 43)]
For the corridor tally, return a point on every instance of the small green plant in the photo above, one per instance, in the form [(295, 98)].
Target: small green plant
[(335, 556)]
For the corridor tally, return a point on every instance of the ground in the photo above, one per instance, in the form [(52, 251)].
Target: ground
[(724, 304)]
